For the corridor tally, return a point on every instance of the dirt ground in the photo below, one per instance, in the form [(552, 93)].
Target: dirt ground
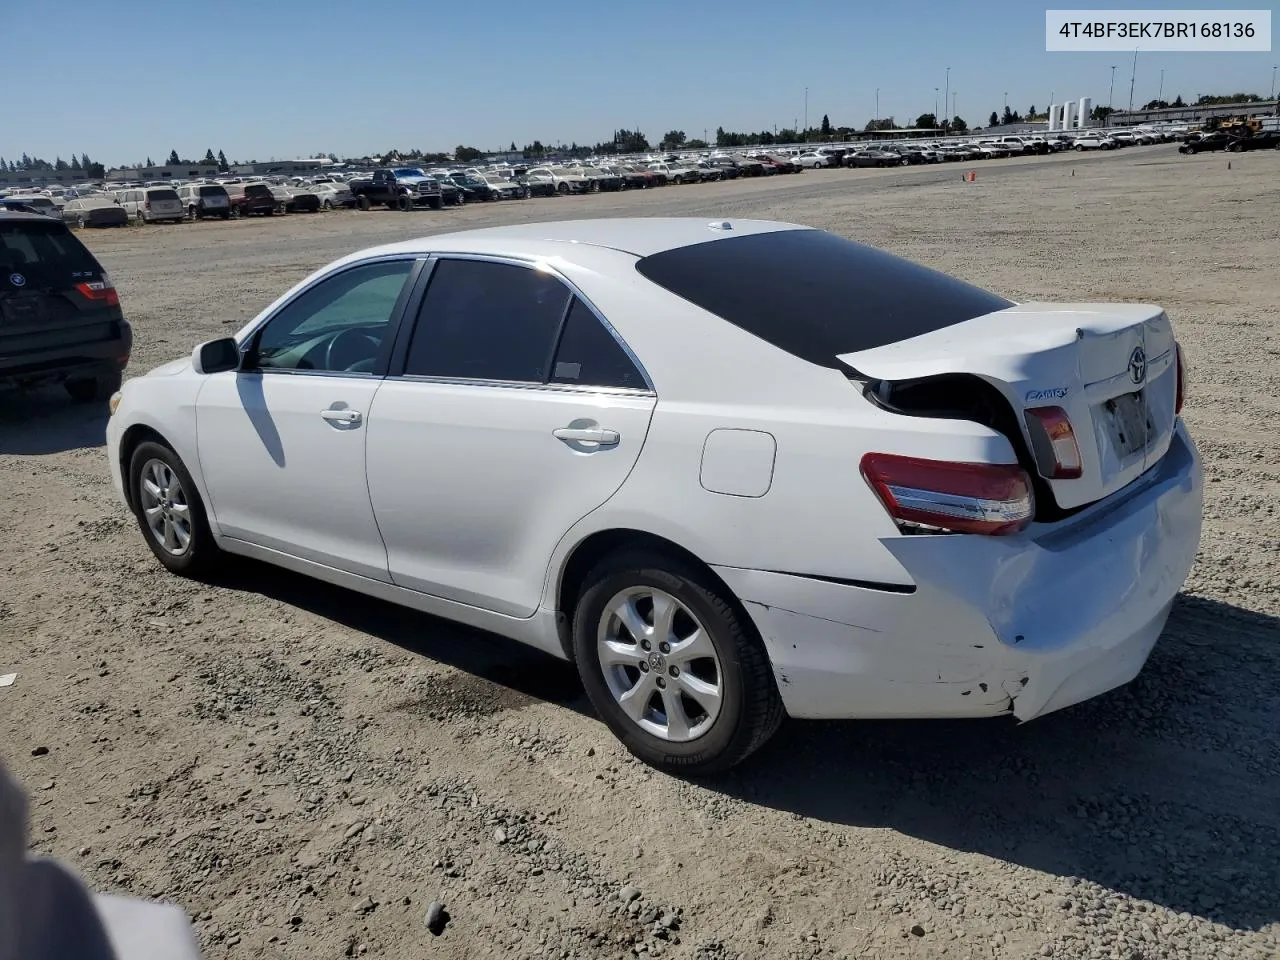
[(305, 770)]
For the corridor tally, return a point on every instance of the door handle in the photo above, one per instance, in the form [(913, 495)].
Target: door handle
[(586, 434), (342, 416)]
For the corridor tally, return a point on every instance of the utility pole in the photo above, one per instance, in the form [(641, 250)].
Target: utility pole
[(936, 118), (806, 108), (954, 112), (1006, 103), (1160, 95), (1273, 83), (1132, 77), (945, 98), (1112, 95), (877, 103)]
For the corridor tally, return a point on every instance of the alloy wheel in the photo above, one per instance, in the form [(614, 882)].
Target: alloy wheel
[(164, 505), (660, 664)]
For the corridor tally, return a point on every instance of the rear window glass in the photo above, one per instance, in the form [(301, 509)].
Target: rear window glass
[(27, 245), (257, 190), (816, 295), (164, 193), (212, 192)]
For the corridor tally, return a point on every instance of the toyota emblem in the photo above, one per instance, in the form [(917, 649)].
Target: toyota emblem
[(1138, 365), (17, 279)]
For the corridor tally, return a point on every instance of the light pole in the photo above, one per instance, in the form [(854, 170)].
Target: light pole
[(877, 103), (1112, 94), (935, 106), (1273, 83), (1160, 95), (945, 98), (1006, 104), (1132, 77), (806, 109)]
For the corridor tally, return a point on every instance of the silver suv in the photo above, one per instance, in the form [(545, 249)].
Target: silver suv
[(205, 200)]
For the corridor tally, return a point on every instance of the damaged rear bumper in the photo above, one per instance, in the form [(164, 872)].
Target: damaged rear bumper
[(1023, 625)]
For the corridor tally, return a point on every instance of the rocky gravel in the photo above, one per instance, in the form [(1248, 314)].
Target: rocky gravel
[(314, 774)]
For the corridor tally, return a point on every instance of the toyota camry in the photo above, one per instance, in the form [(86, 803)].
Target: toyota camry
[(733, 470)]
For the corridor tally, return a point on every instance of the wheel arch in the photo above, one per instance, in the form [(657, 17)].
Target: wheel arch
[(588, 552), (133, 437)]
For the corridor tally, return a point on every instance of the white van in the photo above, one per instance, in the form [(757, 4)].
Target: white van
[(152, 204)]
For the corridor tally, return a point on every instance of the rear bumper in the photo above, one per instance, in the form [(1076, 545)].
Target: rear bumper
[(72, 360), (1023, 625)]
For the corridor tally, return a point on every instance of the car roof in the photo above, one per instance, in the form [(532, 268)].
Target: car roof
[(12, 216), (638, 236)]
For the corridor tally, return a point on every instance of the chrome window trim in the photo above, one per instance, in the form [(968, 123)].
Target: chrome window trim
[(537, 263)]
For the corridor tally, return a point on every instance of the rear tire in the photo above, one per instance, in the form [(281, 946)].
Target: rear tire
[(163, 493), (738, 707), (93, 389)]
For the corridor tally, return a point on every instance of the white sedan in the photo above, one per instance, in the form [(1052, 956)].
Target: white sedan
[(733, 470), (813, 160)]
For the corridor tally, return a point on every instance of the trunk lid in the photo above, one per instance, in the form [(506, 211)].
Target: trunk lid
[(1111, 367)]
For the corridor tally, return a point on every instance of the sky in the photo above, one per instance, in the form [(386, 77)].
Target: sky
[(288, 78)]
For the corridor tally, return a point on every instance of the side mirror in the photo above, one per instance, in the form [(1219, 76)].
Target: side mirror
[(216, 356)]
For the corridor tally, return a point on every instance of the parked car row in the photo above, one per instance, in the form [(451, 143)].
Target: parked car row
[(414, 187)]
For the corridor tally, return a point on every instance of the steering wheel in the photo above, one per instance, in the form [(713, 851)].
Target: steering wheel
[(349, 348)]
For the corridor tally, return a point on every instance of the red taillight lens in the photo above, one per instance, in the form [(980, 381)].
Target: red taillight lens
[(1053, 441), (1182, 380), (100, 291), (987, 498)]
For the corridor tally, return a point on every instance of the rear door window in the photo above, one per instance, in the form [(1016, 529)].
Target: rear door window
[(162, 194), (590, 355), (482, 320), (816, 295)]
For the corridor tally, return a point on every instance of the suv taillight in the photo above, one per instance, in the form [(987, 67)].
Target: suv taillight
[(100, 291), (1053, 441), (986, 498), (1181, 392)]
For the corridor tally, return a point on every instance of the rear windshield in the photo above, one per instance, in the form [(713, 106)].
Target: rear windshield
[(212, 192), (163, 193), (30, 247), (816, 295), (257, 190)]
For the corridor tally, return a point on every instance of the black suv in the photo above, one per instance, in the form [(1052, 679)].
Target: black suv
[(60, 317)]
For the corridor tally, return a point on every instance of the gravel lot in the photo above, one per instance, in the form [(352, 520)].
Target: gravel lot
[(306, 770)]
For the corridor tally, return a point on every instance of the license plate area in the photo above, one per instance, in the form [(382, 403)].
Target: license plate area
[(1129, 423), (24, 311)]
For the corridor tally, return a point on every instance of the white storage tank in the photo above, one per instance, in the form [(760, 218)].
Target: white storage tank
[(1066, 115), (1086, 108), (1053, 117)]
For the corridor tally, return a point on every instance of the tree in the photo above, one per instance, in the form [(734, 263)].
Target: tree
[(223, 166), (512, 148), (696, 145), (60, 164), (1178, 101), (466, 154), (825, 129), (75, 164), (785, 135), (95, 171), (958, 124), (993, 119), (174, 159), (84, 161), (926, 121), (1101, 113), (674, 140), (1009, 116), (150, 162), (209, 157)]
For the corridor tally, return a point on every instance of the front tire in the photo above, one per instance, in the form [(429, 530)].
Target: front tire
[(169, 511), (672, 666)]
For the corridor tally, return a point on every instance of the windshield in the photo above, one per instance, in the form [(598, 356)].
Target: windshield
[(40, 250), (408, 172)]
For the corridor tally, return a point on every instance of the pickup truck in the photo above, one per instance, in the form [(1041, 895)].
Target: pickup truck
[(399, 188)]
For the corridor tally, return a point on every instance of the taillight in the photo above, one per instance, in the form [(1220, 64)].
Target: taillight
[(146, 205), (987, 498), (1182, 380), (1053, 442), (100, 291)]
